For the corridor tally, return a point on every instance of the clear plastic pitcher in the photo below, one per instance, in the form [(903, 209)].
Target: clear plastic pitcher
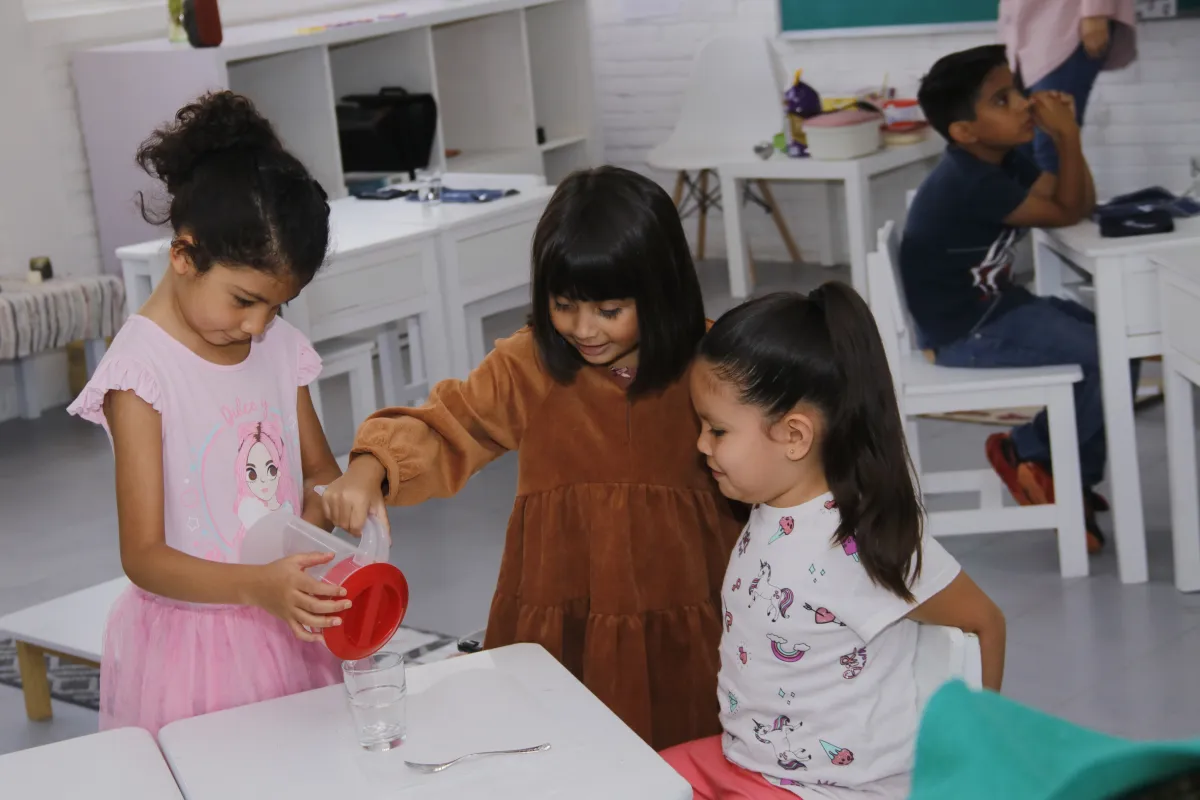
[(377, 590)]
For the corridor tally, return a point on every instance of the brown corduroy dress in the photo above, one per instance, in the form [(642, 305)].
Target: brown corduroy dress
[(618, 540)]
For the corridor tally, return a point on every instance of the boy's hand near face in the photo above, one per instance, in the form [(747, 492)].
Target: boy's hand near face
[(1054, 112)]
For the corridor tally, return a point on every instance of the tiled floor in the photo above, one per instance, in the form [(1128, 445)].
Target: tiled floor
[(1106, 655)]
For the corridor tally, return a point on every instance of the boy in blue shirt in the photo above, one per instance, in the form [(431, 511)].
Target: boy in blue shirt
[(957, 254)]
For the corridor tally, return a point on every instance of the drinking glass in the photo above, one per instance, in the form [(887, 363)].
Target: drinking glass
[(429, 186), (378, 696)]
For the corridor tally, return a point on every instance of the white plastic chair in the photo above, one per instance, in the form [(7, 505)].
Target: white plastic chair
[(925, 388), (734, 101), (946, 654)]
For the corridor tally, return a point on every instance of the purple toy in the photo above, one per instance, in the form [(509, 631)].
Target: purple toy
[(801, 102)]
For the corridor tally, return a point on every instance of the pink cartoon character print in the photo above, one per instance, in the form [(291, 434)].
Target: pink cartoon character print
[(855, 662), (838, 756), (778, 736), (850, 546), (786, 526), (264, 483), (778, 599)]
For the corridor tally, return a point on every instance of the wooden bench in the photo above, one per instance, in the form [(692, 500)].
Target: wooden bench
[(70, 627)]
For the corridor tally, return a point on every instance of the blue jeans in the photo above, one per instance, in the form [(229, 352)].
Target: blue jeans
[(1075, 76), (1046, 331)]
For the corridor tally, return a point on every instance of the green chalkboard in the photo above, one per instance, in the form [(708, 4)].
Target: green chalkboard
[(812, 17)]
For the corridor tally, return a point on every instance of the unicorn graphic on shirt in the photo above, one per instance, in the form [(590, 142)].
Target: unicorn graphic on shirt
[(778, 736), (779, 599)]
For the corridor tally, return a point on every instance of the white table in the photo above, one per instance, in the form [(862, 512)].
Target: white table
[(303, 747), (856, 174), (483, 252), (1129, 325), (70, 627), (1179, 279), (378, 271), (123, 764)]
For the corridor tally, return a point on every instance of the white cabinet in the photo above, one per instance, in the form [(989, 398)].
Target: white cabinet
[(500, 69)]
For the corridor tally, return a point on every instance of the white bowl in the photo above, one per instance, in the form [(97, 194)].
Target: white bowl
[(844, 141)]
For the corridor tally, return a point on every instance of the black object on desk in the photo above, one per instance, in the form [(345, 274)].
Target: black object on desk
[(391, 131), (1137, 224)]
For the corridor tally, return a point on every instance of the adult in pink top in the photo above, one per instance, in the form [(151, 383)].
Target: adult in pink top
[(1063, 45)]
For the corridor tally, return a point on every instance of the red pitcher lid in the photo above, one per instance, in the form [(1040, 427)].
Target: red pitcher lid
[(379, 594)]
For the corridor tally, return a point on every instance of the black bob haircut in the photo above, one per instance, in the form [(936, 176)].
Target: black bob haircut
[(950, 92), (612, 234), (824, 351)]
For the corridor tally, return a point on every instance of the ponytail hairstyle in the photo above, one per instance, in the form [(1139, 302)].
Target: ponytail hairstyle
[(235, 192), (824, 351)]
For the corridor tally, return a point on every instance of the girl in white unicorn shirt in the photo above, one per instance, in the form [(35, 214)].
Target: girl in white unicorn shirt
[(828, 581)]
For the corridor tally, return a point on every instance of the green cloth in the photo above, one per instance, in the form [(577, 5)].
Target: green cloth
[(979, 745)]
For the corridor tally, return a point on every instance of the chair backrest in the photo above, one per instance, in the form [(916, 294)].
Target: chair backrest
[(945, 654), (734, 99), (887, 303)]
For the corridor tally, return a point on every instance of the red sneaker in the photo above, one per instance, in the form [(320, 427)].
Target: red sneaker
[(1028, 482)]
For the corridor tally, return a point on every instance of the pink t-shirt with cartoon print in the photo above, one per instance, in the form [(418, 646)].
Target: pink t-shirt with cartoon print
[(231, 442), (817, 682)]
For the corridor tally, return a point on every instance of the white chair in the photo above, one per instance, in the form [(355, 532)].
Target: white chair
[(355, 358), (925, 388), (945, 654), (734, 101), (391, 344)]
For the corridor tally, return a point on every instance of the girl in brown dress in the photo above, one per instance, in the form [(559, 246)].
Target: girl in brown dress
[(619, 537)]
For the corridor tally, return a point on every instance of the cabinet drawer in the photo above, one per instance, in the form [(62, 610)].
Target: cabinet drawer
[(500, 255), (350, 294), (1181, 316), (1142, 312)]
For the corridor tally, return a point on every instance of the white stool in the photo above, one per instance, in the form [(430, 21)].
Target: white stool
[(391, 343), (352, 357)]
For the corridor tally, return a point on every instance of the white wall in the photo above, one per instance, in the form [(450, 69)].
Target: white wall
[(1142, 126)]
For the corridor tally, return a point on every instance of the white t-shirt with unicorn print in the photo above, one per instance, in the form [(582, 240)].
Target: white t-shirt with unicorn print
[(817, 686)]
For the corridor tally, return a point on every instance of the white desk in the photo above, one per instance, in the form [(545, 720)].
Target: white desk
[(483, 252), (856, 174), (304, 748), (70, 627), (123, 764), (1129, 325), (1179, 279)]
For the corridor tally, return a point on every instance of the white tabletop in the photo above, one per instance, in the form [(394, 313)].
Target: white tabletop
[(1085, 239), (304, 746), (781, 167), (360, 225), (72, 624), (115, 765)]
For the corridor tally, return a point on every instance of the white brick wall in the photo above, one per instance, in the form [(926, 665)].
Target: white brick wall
[(1143, 123)]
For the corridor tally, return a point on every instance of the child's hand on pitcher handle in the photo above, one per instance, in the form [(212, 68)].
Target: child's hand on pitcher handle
[(283, 589), (358, 493)]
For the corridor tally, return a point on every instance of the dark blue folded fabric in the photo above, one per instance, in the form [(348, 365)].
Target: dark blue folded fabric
[(470, 195), (1145, 201)]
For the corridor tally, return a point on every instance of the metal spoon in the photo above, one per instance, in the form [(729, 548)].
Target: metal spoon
[(430, 768)]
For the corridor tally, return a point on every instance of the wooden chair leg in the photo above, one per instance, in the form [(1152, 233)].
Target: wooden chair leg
[(35, 681), (765, 189), (703, 229), (677, 195)]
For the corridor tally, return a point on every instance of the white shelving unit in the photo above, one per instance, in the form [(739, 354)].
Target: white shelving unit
[(498, 68)]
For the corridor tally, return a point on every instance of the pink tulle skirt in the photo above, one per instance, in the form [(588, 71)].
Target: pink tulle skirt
[(165, 660)]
